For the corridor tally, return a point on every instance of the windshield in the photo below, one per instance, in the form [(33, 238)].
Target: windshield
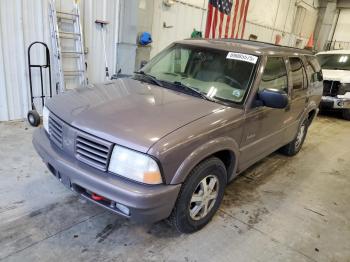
[(334, 61), (217, 74)]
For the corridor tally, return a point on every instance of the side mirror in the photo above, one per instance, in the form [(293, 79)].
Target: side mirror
[(143, 63), (273, 98)]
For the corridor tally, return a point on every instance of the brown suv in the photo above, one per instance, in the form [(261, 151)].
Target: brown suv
[(165, 142)]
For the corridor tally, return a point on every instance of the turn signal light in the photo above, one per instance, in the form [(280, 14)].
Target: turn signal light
[(152, 177)]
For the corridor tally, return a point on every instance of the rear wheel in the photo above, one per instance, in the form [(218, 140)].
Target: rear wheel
[(294, 147), (346, 114), (200, 196)]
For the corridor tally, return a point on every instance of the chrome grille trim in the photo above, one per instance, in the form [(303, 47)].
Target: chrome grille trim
[(56, 131), (93, 151), (331, 88)]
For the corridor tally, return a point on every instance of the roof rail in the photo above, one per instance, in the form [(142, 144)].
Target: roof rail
[(259, 43)]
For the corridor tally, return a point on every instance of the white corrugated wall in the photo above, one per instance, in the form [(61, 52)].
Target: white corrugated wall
[(342, 31), (107, 10), (22, 22), (176, 22), (265, 19)]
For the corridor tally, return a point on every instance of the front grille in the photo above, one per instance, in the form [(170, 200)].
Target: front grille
[(93, 151), (331, 88), (56, 131)]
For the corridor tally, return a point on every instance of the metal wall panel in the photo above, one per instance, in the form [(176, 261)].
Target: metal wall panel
[(280, 17), (342, 31), (22, 22), (176, 22), (107, 10)]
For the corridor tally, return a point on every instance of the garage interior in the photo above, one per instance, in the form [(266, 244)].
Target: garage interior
[(280, 209)]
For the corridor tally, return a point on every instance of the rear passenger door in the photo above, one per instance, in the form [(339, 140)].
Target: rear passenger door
[(299, 86)]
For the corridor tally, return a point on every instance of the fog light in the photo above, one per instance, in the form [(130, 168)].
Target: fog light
[(341, 103), (123, 209)]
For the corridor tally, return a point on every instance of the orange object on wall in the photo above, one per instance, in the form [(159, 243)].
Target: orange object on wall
[(278, 39), (310, 43)]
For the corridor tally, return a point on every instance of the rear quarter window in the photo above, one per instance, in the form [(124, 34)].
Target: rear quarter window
[(313, 69), (297, 73)]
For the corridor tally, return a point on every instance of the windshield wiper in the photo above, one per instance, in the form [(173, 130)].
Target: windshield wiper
[(192, 90), (150, 77)]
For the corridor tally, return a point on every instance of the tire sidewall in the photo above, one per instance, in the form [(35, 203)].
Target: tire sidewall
[(211, 166), (305, 122)]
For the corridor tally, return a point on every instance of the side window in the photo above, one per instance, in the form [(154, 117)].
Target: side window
[(298, 74), (275, 75), (313, 69)]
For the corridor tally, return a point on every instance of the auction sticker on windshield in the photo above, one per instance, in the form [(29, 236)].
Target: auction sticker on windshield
[(242, 57)]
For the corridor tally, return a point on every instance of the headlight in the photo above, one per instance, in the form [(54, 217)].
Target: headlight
[(46, 114), (134, 165)]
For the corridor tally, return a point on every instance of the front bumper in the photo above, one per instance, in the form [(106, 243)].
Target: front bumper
[(147, 203), (329, 102)]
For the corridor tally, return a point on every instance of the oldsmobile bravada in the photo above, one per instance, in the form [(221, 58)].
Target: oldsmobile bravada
[(165, 142)]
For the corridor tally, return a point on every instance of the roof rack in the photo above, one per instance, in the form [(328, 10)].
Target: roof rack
[(256, 43), (259, 42)]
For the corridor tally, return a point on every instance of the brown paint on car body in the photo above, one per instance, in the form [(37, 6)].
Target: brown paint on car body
[(177, 129)]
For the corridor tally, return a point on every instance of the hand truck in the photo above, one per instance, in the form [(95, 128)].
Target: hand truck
[(33, 115)]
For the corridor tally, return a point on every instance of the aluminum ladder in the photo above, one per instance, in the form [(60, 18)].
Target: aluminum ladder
[(68, 48)]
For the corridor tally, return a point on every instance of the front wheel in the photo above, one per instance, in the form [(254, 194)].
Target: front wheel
[(200, 196), (294, 147)]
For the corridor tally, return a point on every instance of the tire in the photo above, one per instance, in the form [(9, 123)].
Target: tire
[(33, 118), (346, 114), (293, 148), (210, 171)]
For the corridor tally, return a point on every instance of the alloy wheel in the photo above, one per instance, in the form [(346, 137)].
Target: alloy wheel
[(300, 136), (204, 197)]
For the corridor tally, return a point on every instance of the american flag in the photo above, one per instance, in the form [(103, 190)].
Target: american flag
[(226, 18)]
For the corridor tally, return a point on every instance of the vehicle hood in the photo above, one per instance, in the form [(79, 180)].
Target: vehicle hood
[(129, 112), (343, 76)]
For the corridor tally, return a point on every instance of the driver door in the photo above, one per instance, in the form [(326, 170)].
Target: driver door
[(263, 125)]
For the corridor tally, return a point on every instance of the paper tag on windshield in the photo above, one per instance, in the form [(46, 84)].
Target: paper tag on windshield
[(236, 93), (242, 57)]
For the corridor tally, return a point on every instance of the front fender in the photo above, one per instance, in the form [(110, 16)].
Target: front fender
[(204, 151)]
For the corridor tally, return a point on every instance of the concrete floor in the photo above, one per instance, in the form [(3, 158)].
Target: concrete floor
[(281, 209)]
